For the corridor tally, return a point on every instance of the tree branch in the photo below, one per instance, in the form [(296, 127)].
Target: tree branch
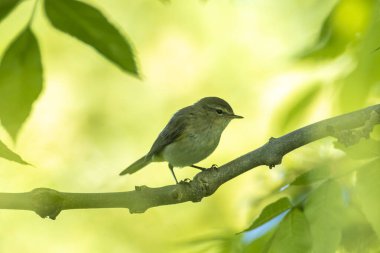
[(347, 128)]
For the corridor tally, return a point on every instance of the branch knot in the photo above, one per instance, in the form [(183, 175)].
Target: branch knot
[(47, 202)]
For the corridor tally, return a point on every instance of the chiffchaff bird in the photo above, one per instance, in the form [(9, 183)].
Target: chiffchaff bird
[(191, 135)]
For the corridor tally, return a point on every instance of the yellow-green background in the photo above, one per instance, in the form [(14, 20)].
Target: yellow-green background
[(92, 119)]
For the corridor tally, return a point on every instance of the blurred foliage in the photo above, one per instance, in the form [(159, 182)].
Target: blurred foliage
[(357, 86), (6, 6), (323, 210), (364, 149), (223, 243), (312, 176), (271, 211), (301, 107), (338, 32), (328, 210), (292, 235), (21, 68), (368, 191), (84, 124)]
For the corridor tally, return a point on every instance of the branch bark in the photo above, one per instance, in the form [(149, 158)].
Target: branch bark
[(347, 128)]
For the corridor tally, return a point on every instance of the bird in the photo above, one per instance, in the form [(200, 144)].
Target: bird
[(190, 136)]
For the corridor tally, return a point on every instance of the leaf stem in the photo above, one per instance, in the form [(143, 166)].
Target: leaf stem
[(33, 13)]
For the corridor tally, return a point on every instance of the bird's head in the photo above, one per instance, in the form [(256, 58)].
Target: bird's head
[(217, 110)]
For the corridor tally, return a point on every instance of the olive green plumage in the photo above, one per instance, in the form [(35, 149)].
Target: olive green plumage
[(191, 135)]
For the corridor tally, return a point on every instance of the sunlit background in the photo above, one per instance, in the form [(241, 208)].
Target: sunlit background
[(267, 58)]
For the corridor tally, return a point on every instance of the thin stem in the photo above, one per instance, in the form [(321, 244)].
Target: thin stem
[(33, 13)]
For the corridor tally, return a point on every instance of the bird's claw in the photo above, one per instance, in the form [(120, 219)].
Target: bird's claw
[(185, 181), (214, 167)]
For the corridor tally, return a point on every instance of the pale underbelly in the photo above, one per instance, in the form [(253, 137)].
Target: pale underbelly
[(187, 152)]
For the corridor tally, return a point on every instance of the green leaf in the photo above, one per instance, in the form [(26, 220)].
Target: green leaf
[(324, 209), (20, 81), (271, 211), (292, 236), (358, 235), (312, 176), (368, 189), (339, 30), (89, 25), (363, 80), (299, 107), (224, 242), (364, 149), (6, 6), (258, 245), (8, 154), (324, 38)]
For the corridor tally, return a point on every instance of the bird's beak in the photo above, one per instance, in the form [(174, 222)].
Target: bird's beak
[(234, 116)]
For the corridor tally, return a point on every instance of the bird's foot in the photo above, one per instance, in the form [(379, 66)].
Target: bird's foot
[(214, 167), (185, 181)]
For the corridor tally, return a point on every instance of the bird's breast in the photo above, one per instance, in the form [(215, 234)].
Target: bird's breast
[(195, 144)]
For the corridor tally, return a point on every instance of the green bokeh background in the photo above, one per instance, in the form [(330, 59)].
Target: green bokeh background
[(267, 58)]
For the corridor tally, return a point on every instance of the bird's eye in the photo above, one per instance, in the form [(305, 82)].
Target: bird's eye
[(218, 111)]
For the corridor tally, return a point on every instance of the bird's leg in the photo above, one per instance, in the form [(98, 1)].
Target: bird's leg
[(172, 171), (197, 167), (185, 181)]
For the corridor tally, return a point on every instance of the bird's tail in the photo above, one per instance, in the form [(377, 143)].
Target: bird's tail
[(139, 164)]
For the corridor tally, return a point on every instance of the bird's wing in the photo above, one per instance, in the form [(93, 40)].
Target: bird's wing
[(171, 133)]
